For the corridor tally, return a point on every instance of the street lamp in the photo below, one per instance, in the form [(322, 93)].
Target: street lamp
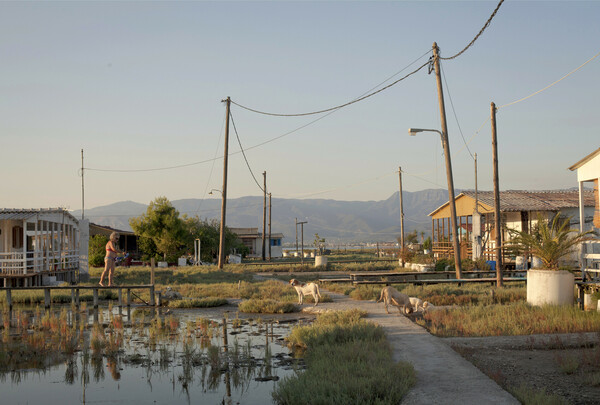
[(444, 139), (214, 189)]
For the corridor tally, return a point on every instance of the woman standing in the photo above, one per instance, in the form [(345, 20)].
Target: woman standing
[(109, 259)]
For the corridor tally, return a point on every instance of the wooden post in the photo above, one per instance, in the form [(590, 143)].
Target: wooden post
[(446, 145), (152, 264), (221, 261), (72, 296), (95, 291), (158, 299), (152, 298), (496, 199), (269, 226), (9, 299), (77, 297), (120, 294), (47, 298), (402, 217), (129, 297)]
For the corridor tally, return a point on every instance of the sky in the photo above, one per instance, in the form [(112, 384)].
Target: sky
[(139, 87)]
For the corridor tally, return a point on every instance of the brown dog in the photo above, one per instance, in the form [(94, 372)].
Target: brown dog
[(391, 296), (306, 289)]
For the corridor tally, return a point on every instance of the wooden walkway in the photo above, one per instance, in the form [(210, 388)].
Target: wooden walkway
[(155, 297), (424, 278)]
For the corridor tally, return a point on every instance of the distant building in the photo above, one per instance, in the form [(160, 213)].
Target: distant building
[(38, 246), (128, 240), (519, 211), (251, 238)]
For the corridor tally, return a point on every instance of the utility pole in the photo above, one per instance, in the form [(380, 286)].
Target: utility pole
[(401, 218), (296, 237), (446, 144), (269, 226), (302, 232), (264, 233), (496, 200), (224, 190), (82, 189), (476, 191)]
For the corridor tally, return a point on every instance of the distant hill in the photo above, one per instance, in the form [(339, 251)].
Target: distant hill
[(336, 221)]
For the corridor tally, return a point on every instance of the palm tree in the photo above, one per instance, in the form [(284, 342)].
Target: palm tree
[(548, 241)]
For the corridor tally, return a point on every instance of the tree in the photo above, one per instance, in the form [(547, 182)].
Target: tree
[(208, 231), (411, 238), (162, 225), (319, 244), (97, 246), (550, 241)]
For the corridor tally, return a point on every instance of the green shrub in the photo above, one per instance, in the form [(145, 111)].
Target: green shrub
[(97, 246), (266, 306), (208, 302)]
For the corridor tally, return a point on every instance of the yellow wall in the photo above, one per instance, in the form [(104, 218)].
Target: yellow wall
[(464, 207)]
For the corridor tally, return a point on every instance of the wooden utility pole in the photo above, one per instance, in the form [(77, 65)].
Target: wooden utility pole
[(224, 189), (269, 226), (296, 236), (476, 191), (264, 233), (496, 200), (446, 144), (82, 189), (401, 217)]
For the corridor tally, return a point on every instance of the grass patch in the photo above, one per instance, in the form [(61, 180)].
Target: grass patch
[(348, 362), (529, 396), (266, 306), (208, 302), (509, 320)]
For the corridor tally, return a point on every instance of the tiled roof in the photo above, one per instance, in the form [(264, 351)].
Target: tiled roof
[(517, 200)]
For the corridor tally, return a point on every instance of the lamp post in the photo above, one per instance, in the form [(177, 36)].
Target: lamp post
[(444, 138)]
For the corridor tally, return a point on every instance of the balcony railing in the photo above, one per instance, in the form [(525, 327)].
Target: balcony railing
[(14, 263)]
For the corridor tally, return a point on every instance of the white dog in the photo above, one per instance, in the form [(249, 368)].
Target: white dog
[(306, 289), (391, 296), (419, 303)]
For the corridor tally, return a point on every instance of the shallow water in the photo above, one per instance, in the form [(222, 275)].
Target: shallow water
[(154, 358)]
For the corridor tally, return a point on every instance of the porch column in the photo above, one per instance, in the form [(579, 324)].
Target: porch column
[(24, 246), (582, 246)]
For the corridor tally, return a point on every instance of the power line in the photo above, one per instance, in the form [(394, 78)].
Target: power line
[(551, 84), (243, 153), (336, 107), (454, 111), (489, 21)]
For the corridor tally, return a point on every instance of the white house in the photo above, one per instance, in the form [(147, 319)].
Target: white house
[(588, 170), (253, 240), (38, 244)]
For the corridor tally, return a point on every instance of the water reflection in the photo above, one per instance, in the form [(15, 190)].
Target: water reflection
[(192, 359)]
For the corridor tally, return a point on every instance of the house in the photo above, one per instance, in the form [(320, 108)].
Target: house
[(588, 170), (519, 211), (128, 241), (251, 238), (38, 246)]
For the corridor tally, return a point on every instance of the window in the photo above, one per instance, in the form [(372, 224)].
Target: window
[(17, 237)]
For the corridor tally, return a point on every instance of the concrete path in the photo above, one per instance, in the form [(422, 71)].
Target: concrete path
[(443, 376)]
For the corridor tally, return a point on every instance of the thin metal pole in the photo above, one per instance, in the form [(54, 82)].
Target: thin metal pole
[(264, 233), (296, 236), (401, 217), (224, 190), (446, 145), (269, 226), (496, 199), (302, 229), (82, 189)]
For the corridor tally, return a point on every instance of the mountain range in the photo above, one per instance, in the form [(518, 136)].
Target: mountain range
[(336, 221)]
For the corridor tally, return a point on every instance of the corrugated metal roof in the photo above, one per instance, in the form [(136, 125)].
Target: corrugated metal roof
[(517, 200), (21, 214)]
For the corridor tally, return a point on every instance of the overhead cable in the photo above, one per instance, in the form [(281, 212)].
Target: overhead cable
[(454, 111), (244, 154), (489, 21), (336, 107), (551, 84)]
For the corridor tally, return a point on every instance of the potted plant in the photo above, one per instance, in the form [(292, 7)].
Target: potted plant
[(320, 259), (549, 241)]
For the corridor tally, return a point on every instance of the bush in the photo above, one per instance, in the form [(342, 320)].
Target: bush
[(441, 264), (97, 246), (208, 302), (266, 306)]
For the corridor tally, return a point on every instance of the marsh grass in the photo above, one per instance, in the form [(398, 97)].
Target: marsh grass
[(348, 362), (509, 320), (568, 364), (208, 302), (266, 306)]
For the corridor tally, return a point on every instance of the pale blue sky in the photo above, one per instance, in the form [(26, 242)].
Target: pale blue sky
[(138, 85)]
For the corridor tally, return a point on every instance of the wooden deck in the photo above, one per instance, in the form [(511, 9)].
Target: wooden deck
[(155, 297)]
